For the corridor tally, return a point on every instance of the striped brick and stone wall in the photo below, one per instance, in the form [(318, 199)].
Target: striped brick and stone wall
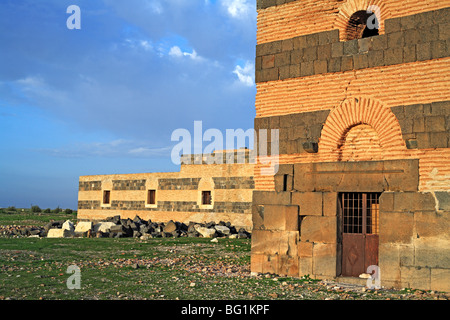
[(178, 194), (354, 115)]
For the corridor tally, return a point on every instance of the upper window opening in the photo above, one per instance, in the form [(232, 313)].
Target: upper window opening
[(206, 197), (362, 24), (106, 197), (151, 197)]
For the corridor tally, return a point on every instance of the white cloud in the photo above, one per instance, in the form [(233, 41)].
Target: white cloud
[(246, 74), (238, 8), (175, 51), (146, 45)]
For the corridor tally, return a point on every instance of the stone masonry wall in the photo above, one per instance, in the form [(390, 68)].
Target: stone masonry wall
[(415, 240), (420, 37), (178, 195), (298, 231)]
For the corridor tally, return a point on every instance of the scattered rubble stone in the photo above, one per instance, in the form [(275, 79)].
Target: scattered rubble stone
[(115, 227)]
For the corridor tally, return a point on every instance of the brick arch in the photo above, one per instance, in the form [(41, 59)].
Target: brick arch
[(361, 111), (349, 7), (361, 143)]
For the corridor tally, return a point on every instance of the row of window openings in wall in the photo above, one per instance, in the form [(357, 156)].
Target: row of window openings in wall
[(151, 197)]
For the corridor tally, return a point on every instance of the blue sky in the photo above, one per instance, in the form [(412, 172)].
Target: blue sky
[(106, 98)]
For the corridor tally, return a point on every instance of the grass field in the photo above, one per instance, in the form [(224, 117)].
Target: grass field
[(160, 268)]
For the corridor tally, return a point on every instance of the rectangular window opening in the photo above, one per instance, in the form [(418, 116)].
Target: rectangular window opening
[(106, 197), (285, 179), (151, 197), (206, 197)]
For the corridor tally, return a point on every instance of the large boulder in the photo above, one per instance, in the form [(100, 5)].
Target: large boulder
[(83, 226), (206, 232), (60, 233), (170, 227), (223, 230), (103, 226), (68, 225)]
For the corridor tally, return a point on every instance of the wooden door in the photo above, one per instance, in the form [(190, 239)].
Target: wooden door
[(359, 217)]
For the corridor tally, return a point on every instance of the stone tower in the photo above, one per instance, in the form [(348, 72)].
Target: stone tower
[(360, 93)]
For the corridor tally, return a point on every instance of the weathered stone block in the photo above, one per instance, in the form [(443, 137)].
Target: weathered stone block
[(319, 229), (389, 263), (320, 66), (307, 69), (103, 226), (386, 201), (282, 59), (281, 218), (396, 40), (375, 58), (83, 226), (435, 123), (337, 49), (423, 51), (299, 42), (257, 262), (444, 31), (289, 243), (310, 203), (351, 47), (347, 63), (393, 55), (60, 233), (416, 277), (330, 204), (334, 65), (396, 227), (379, 42), (401, 175), (440, 279), (269, 74), (443, 200), (404, 201), (271, 197), (288, 266), (266, 242), (312, 39), (411, 37), (409, 54), (287, 45), (268, 61), (324, 259), (271, 264), (258, 217), (284, 72), (392, 25), (428, 34), (305, 249), (309, 54), (432, 252), (305, 266), (360, 61), (423, 140)]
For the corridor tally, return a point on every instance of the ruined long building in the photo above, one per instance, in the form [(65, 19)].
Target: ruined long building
[(359, 92)]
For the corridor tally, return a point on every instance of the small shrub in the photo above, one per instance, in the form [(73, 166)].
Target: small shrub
[(68, 211), (48, 210), (35, 209), (12, 208), (57, 210)]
